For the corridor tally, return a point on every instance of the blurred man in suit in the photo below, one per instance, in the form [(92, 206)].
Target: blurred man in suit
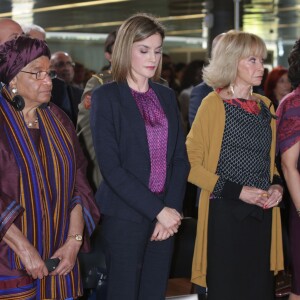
[(64, 95)]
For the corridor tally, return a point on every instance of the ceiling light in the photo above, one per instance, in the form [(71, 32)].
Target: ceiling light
[(118, 23), (63, 6)]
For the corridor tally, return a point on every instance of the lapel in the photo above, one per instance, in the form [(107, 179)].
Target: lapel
[(133, 116)]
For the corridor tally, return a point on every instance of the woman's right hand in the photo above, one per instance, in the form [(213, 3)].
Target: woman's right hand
[(33, 262), (29, 256), (169, 218), (255, 196)]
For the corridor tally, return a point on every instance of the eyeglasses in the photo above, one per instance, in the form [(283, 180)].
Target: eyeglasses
[(41, 75), (63, 64)]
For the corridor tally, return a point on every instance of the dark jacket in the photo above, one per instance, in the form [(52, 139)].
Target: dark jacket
[(66, 97), (121, 146)]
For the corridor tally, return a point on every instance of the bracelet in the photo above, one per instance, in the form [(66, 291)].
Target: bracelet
[(77, 237)]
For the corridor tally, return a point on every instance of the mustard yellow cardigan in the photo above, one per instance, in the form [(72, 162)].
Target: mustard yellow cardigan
[(203, 147)]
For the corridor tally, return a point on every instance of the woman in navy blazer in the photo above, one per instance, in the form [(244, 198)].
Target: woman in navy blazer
[(141, 152)]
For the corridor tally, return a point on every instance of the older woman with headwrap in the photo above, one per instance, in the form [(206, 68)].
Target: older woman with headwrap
[(47, 208)]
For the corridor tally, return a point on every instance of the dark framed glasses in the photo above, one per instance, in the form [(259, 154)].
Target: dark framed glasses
[(41, 75)]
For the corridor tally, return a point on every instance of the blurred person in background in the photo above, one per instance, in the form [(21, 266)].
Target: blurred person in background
[(168, 74), (9, 30), (83, 123), (100, 78), (191, 77), (34, 31), (63, 64), (277, 85), (79, 75), (64, 95), (179, 71), (200, 91)]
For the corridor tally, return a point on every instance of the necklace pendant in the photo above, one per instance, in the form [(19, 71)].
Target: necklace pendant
[(32, 124)]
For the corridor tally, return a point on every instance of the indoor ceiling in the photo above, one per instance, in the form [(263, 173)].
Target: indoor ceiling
[(273, 20)]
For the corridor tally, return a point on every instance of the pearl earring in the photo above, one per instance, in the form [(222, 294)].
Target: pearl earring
[(14, 90)]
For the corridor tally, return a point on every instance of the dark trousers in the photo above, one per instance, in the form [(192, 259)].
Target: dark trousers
[(138, 269)]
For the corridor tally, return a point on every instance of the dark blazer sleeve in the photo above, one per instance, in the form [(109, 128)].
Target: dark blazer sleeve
[(123, 190)]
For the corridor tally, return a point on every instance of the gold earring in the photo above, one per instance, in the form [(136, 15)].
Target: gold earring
[(231, 89)]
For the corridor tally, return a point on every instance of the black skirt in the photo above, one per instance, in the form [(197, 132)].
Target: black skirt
[(239, 243)]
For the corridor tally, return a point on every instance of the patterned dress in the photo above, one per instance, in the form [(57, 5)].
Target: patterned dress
[(41, 181), (288, 134), (239, 234)]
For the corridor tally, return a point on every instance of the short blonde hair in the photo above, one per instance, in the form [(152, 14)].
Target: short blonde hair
[(136, 28), (230, 49)]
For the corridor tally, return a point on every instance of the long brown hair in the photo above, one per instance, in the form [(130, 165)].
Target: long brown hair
[(136, 28)]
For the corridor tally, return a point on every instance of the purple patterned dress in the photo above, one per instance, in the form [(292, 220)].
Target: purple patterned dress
[(288, 134)]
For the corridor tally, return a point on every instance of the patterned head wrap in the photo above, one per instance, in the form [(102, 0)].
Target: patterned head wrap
[(17, 53)]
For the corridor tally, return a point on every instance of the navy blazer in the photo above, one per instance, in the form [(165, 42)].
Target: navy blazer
[(66, 97), (120, 142)]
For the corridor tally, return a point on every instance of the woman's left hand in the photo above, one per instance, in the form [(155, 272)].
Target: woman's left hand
[(274, 196), (67, 255)]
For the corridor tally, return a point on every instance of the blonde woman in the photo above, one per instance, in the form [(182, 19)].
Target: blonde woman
[(231, 149)]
